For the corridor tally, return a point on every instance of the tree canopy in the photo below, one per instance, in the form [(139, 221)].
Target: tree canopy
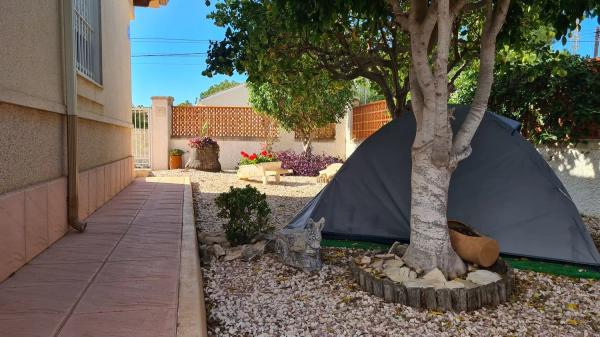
[(215, 88), (301, 101), (356, 38)]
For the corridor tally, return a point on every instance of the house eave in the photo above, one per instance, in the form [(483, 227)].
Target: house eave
[(150, 3)]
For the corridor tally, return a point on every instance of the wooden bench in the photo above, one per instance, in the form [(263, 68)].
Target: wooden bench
[(276, 173), (262, 170)]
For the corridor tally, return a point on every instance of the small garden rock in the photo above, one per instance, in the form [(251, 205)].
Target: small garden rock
[(435, 275), (218, 251), (393, 263), (233, 253), (483, 277)]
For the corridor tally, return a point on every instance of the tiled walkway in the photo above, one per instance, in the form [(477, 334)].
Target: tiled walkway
[(119, 278)]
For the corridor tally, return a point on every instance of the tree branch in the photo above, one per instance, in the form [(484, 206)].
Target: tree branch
[(442, 140), (495, 18)]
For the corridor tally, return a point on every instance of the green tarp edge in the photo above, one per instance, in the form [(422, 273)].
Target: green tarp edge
[(517, 263)]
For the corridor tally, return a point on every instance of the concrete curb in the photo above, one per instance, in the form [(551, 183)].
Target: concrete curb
[(191, 315)]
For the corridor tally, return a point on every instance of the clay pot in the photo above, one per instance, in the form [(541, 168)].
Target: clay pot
[(480, 250), (209, 158), (175, 162)]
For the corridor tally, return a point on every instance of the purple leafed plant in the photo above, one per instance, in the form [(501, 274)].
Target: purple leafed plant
[(305, 165), (198, 142)]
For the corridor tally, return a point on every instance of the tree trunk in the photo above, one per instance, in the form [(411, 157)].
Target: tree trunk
[(307, 145), (430, 245)]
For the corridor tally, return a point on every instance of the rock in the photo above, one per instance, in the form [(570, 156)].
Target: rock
[(233, 253), (205, 254), (300, 247), (209, 238), (218, 251), (385, 256), (397, 249), (377, 264), (483, 277), (465, 283), (365, 260), (454, 284), (393, 263), (435, 275), (253, 250), (397, 274)]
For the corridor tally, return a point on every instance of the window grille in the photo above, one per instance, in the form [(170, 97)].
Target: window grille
[(86, 22)]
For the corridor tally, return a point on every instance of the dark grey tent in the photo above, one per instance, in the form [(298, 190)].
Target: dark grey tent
[(504, 189)]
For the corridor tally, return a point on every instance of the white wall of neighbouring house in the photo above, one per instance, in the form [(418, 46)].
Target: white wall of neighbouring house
[(578, 167), (235, 96)]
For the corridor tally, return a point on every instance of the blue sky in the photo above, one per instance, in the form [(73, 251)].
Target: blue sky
[(586, 39), (153, 32), (181, 76)]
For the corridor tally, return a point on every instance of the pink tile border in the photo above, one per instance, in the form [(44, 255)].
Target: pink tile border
[(12, 233), (57, 209), (34, 218), (84, 194), (99, 186)]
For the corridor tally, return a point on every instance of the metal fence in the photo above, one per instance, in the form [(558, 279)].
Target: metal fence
[(141, 137)]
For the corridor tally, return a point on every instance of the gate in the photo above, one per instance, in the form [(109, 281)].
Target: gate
[(141, 137)]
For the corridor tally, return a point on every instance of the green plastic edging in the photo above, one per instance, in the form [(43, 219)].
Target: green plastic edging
[(560, 269)]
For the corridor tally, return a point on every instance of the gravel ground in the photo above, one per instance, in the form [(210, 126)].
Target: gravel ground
[(266, 298)]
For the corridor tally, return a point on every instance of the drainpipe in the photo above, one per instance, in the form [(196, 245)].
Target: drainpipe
[(70, 88)]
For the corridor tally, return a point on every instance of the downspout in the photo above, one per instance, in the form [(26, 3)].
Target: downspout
[(70, 88)]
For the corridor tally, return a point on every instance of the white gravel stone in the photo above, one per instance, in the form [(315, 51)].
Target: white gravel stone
[(265, 298)]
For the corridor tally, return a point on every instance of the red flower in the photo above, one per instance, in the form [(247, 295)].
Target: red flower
[(264, 153), (270, 155), (244, 154), (253, 156)]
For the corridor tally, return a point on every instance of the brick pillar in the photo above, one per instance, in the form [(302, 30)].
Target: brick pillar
[(160, 131)]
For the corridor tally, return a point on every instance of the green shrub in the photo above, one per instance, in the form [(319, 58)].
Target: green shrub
[(247, 212), (176, 152)]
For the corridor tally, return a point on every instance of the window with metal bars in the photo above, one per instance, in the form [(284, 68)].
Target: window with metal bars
[(88, 53)]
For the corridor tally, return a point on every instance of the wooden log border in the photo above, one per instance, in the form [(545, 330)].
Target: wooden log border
[(444, 299)]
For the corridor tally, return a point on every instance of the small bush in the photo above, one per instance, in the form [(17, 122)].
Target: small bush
[(247, 212), (306, 165), (176, 152)]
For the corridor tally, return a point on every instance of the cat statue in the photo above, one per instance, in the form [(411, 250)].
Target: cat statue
[(300, 247)]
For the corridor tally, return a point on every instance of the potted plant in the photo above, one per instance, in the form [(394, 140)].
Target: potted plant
[(175, 159), (259, 165), (205, 152)]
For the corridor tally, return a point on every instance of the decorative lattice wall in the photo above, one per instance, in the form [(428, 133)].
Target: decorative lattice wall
[(187, 121), (368, 118)]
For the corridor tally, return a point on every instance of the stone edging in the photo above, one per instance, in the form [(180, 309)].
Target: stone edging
[(191, 312), (443, 299)]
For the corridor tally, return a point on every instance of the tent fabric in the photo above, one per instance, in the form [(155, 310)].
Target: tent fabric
[(504, 189)]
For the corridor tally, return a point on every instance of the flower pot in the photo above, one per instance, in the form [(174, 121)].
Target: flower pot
[(174, 162), (209, 158)]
